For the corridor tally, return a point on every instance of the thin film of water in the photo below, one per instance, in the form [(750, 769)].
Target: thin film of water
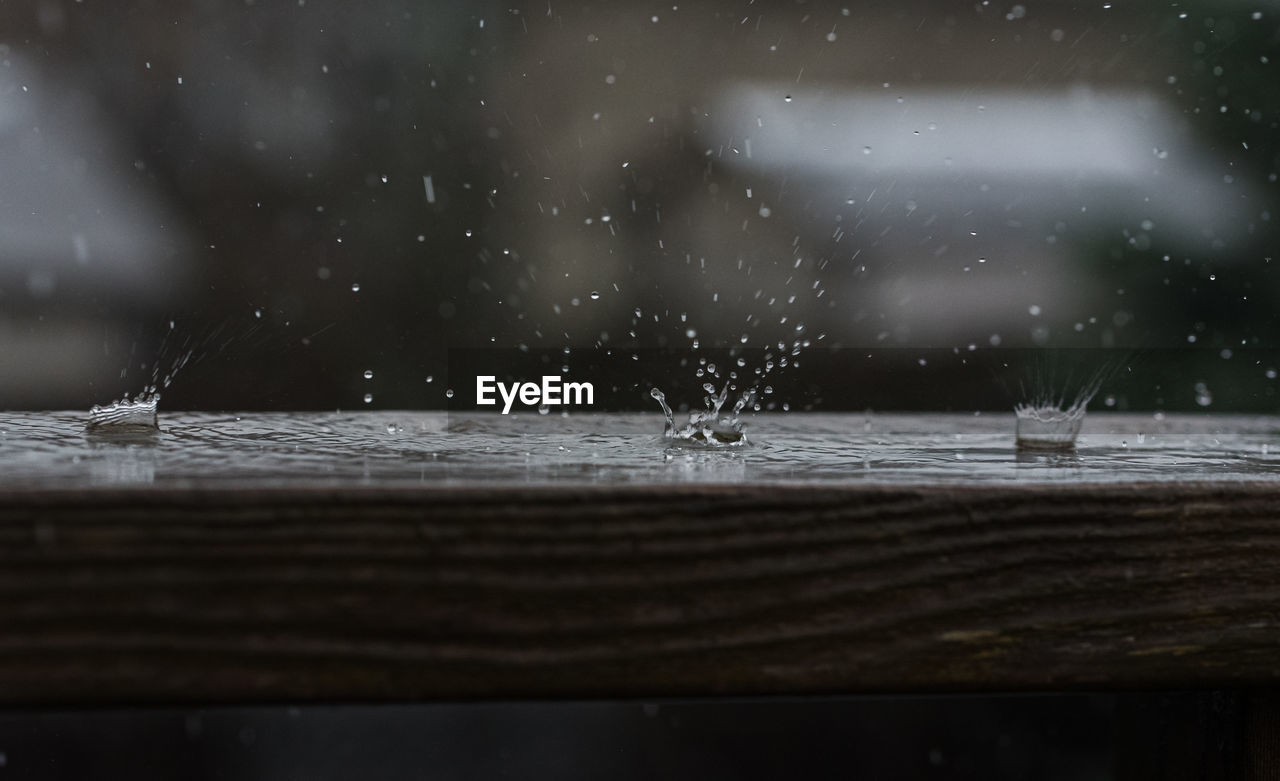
[(54, 450)]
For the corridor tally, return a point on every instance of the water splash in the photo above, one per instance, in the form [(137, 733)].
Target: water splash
[(1050, 424), (179, 347), (706, 428), (1048, 427), (136, 415), (140, 414)]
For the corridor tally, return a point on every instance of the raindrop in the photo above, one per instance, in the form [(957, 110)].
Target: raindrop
[(1204, 397), (368, 398), (368, 374), (355, 287)]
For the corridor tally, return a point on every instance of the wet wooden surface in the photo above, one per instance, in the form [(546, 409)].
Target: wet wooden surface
[(363, 594)]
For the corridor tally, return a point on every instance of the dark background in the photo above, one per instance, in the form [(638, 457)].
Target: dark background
[(1012, 176), (1131, 735)]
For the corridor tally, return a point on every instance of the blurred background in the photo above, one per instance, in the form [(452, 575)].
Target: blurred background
[(281, 197)]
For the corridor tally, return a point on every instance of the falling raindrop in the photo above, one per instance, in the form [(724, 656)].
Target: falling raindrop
[(1204, 397)]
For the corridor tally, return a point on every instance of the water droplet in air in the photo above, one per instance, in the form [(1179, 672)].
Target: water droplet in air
[(355, 287), (368, 374), (1203, 395), (595, 295), (787, 99), (448, 394), (368, 398), (866, 150)]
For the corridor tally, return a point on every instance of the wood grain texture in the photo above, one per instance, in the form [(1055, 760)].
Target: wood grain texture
[(169, 595)]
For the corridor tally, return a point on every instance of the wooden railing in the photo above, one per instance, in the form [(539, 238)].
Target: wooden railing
[(171, 594)]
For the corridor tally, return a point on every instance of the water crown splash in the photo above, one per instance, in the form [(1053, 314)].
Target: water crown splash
[(127, 415), (1045, 424), (706, 428)]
